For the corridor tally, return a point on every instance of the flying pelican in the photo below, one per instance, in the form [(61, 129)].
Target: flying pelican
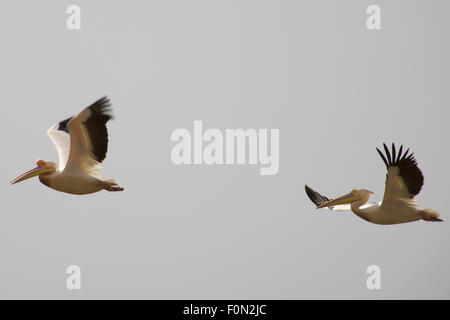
[(404, 181), (81, 143)]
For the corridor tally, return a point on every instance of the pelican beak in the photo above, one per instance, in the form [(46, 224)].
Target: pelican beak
[(348, 198), (30, 174)]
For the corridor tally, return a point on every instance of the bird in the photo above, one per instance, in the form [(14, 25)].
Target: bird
[(404, 181), (81, 143)]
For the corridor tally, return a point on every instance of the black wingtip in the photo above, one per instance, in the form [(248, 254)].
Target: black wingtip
[(310, 194), (315, 197), (102, 108), (399, 153), (407, 164), (62, 125), (388, 154), (393, 152), (383, 157), (101, 113)]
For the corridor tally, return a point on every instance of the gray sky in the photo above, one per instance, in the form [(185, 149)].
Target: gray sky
[(312, 69)]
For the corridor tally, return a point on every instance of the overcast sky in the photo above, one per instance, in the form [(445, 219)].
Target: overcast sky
[(311, 69)]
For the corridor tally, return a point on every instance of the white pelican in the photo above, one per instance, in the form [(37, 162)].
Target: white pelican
[(404, 180), (81, 143)]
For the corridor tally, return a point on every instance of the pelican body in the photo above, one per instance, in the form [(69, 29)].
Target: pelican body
[(404, 180), (82, 144)]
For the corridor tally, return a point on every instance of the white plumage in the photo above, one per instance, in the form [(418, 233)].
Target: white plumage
[(404, 181), (61, 140), (81, 143)]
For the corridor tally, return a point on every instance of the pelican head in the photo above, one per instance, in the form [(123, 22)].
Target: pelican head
[(356, 195), (43, 168)]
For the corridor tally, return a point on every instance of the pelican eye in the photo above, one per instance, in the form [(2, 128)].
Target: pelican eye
[(41, 163)]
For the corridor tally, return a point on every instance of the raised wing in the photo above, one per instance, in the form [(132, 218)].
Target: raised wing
[(59, 135), (89, 139), (404, 178), (319, 199)]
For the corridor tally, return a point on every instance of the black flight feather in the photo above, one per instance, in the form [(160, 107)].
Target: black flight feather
[(408, 169), (101, 113)]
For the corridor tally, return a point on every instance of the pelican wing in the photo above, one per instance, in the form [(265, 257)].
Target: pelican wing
[(59, 135), (319, 199), (404, 179), (89, 139)]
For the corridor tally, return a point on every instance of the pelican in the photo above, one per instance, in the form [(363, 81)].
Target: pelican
[(81, 143), (404, 181)]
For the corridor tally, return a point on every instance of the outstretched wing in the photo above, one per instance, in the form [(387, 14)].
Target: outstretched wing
[(89, 138), (404, 180), (59, 135), (319, 199)]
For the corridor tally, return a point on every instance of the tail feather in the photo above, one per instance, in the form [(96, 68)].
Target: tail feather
[(111, 185), (430, 215)]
